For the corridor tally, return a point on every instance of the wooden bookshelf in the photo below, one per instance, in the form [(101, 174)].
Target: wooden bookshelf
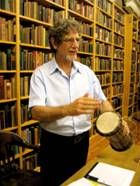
[(118, 58), (138, 68), (24, 45), (131, 60)]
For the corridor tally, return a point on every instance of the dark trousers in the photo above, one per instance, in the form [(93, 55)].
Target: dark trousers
[(61, 156)]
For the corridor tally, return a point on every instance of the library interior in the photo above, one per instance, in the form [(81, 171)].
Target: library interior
[(109, 47)]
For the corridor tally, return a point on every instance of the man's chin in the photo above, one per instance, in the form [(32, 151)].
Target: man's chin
[(71, 58)]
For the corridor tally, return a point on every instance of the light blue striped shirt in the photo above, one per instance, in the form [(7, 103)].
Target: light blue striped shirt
[(50, 86)]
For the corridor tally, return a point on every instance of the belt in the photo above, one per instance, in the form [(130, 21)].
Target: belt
[(80, 137), (73, 139)]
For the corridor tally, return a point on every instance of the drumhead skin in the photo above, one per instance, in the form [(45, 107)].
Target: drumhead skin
[(108, 123)]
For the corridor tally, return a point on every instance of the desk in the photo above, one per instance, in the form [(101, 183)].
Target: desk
[(127, 159)]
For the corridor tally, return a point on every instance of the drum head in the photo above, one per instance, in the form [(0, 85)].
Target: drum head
[(108, 123)]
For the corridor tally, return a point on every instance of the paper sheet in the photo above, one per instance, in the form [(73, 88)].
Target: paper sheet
[(112, 175), (84, 182)]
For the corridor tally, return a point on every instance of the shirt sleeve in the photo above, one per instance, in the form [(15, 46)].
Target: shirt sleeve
[(37, 93)]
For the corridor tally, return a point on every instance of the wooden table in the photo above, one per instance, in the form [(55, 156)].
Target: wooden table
[(129, 159)]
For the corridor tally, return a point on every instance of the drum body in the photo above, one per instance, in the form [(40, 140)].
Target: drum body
[(109, 124)]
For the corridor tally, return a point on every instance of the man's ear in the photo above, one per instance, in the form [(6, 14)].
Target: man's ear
[(53, 43)]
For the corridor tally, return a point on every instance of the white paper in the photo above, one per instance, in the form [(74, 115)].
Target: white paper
[(84, 182), (81, 182), (112, 175)]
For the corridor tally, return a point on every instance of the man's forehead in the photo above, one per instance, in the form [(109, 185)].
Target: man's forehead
[(72, 33)]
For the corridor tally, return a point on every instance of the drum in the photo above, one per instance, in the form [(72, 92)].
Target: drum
[(109, 124)]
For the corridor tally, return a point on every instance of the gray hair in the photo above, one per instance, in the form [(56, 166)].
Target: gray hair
[(61, 29)]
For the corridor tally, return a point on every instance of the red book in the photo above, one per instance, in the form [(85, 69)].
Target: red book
[(1, 86)]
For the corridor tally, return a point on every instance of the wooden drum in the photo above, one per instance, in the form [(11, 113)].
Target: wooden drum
[(109, 124)]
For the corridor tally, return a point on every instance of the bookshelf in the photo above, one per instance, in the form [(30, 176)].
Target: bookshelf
[(24, 46), (109, 50), (131, 61), (82, 11), (138, 68), (103, 44), (118, 58)]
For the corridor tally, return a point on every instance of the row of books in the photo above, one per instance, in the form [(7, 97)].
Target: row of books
[(103, 19), (85, 60), (117, 77), (105, 5), (25, 112), (86, 46), (138, 44), (8, 5), (8, 119), (103, 34), (119, 40), (104, 78), (133, 67), (135, 25), (24, 85), (103, 49), (107, 91), (30, 162), (131, 88), (24, 3), (138, 67), (138, 54), (118, 53), (7, 59), (31, 59), (31, 134), (135, 56), (130, 100), (118, 64), (7, 87), (7, 29), (138, 79), (82, 8), (134, 45), (7, 116), (86, 28), (35, 10), (102, 63), (117, 89), (36, 35), (134, 35), (119, 15), (119, 28)]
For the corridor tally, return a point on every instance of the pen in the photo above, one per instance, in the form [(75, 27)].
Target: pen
[(92, 178)]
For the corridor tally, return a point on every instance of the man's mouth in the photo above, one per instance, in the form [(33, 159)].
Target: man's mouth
[(73, 52)]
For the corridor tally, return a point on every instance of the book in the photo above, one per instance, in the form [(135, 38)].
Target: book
[(1, 87), (2, 119)]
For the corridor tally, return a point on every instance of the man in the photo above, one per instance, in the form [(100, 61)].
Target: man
[(63, 95)]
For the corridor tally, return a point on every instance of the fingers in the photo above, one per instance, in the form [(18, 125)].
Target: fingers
[(126, 128), (86, 105)]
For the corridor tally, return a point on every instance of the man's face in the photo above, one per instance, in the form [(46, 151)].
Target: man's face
[(68, 49)]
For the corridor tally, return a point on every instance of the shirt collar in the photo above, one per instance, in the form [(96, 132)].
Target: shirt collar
[(53, 66)]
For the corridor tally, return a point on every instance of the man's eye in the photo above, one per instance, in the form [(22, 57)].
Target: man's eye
[(78, 39), (71, 40)]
